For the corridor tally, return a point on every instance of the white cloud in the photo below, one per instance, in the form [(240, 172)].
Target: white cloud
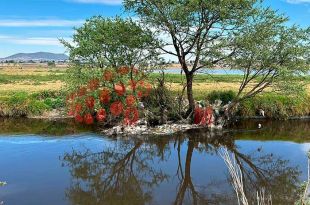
[(297, 1), (40, 23), (108, 2), (42, 41)]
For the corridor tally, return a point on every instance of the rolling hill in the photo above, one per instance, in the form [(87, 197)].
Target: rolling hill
[(38, 56)]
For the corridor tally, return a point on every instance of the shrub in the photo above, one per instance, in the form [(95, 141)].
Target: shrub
[(276, 106), (112, 98), (224, 96), (54, 103), (36, 107), (21, 104)]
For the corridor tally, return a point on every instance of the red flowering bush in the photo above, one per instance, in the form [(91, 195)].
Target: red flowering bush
[(203, 116), (113, 97)]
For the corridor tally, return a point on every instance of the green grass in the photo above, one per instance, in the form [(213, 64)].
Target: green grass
[(5, 78), (276, 106), (17, 104)]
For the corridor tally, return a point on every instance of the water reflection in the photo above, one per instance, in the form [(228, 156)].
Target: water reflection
[(136, 172), (63, 127)]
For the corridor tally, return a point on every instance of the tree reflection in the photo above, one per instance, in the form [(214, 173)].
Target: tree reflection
[(128, 172), (124, 174)]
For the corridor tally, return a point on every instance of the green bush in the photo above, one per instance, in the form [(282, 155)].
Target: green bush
[(224, 96), (24, 104), (36, 107), (18, 98), (54, 103), (276, 106), (48, 94)]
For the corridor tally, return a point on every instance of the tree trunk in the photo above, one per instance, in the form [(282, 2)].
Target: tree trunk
[(190, 97)]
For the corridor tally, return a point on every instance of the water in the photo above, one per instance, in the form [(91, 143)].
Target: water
[(208, 71), (205, 71), (76, 165)]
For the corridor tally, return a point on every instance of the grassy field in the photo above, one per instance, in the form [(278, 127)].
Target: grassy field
[(30, 90), (33, 89)]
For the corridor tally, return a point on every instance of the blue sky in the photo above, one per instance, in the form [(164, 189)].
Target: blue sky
[(36, 25)]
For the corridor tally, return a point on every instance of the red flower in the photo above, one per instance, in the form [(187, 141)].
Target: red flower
[(148, 89), (93, 84), (101, 115), (124, 70), (140, 94), (88, 119), (82, 91), (79, 118), (116, 108), (132, 84), (130, 100), (198, 115), (108, 75), (70, 112), (70, 97), (131, 116), (120, 89), (134, 70), (203, 116), (90, 102), (104, 96), (144, 88), (78, 108)]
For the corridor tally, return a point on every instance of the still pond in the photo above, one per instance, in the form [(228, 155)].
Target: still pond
[(61, 163)]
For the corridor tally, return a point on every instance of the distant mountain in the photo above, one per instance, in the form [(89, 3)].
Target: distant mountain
[(39, 56)]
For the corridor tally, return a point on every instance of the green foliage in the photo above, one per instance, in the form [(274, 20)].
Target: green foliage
[(49, 94), (4, 78), (109, 43), (54, 103), (224, 96), (18, 98), (255, 39), (162, 104), (276, 106), (271, 53), (51, 64), (36, 107), (25, 104)]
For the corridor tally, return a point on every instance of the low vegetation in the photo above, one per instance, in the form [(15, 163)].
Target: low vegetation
[(32, 91)]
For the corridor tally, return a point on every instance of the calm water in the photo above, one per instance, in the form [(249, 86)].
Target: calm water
[(56, 163), (209, 71), (206, 71)]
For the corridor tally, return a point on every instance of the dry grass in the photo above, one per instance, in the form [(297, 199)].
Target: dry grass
[(31, 87), (43, 70), (29, 71), (28, 84), (222, 86)]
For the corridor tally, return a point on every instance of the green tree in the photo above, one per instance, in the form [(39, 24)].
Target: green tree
[(110, 43), (195, 29), (213, 32), (270, 54), (51, 64)]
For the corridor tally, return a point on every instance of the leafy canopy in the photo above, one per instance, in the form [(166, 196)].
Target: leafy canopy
[(112, 42)]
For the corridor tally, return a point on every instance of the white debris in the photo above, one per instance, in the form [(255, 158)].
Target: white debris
[(165, 129), (261, 112)]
